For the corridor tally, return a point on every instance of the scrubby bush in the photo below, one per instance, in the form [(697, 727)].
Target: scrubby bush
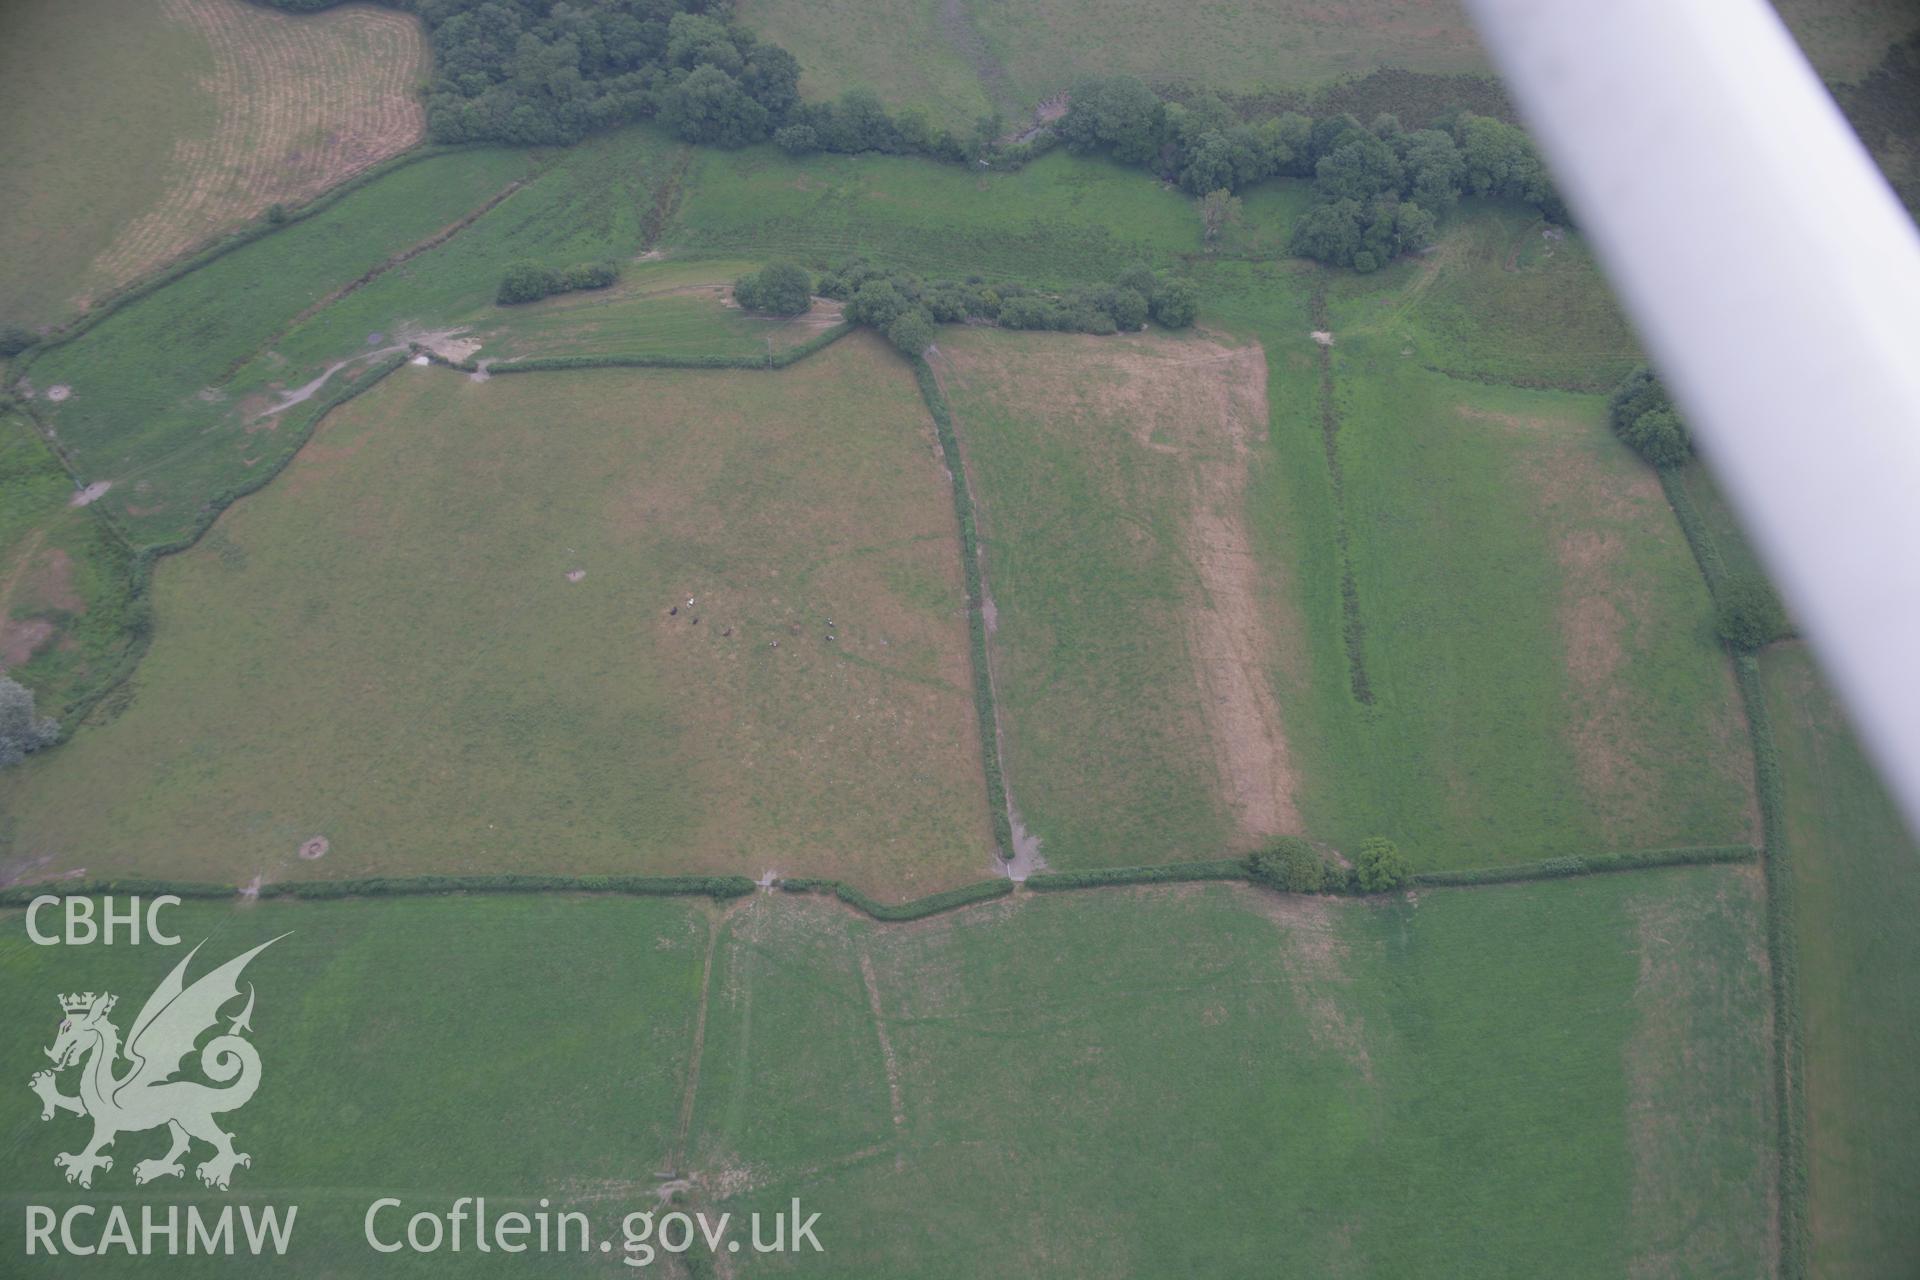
[(877, 303), (779, 289), (277, 215), (1748, 614), (14, 339), (878, 298), (911, 332), (1129, 309), (588, 275), (22, 729), (1289, 863), (1176, 302), (710, 106), (1641, 413), (1381, 866), (529, 282), (796, 139)]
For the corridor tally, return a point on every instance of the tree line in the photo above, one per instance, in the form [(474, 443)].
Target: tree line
[(906, 308), (1380, 189)]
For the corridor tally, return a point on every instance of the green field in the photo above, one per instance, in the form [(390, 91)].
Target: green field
[(1134, 627), (494, 1046), (1211, 1081), (1564, 615), (165, 399), (956, 58), (384, 648), (1853, 869), (672, 309), (1356, 555), (1061, 220), (922, 53), (1519, 581)]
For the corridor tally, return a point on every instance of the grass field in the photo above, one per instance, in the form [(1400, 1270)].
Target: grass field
[(385, 648), (1135, 627), (549, 1059), (657, 309), (1853, 868), (1562, 1079), (955, 58), (64, 579), (1061, 220), (924, 53), (1519, 581), (175, 120), (1219, 1082)]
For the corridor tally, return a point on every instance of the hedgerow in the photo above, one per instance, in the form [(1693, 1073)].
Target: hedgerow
[(1590, 864), (905, 308), (1784, 960), (1170, 873), (530, 282), (548, 364), (1643, 415), (984, 715), (915, 909), (20, 895), (1782, 951), (1379, 189), (404, 886), (397, 886)]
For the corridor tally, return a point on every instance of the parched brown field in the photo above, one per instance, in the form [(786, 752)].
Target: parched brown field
[(304, 102), (594, 621), (1111, 476)]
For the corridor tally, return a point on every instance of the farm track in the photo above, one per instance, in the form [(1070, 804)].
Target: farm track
[(307, 102)]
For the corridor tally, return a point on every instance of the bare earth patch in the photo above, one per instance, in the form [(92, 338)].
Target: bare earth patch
[(1602, 612), (1314, 963), (305, 102), (1205, 405), (19, 641)]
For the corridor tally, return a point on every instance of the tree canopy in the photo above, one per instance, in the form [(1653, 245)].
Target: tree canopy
[(1642, 414), (779, 289)]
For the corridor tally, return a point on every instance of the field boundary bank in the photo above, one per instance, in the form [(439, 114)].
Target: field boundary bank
[(1783, 961), (1353, 629), (979, 891)]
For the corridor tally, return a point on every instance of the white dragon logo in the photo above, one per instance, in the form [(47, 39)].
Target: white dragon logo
[(146, 1097)]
